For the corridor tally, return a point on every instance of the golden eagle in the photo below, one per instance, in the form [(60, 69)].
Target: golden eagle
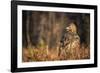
[(70, 42)]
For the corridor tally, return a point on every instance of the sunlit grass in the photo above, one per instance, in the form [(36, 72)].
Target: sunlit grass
[(45, 54)]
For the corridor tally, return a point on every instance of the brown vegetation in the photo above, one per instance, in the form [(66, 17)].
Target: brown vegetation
[(45, 54)]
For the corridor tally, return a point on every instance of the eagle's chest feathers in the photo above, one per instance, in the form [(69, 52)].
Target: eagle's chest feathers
[(71, 41)]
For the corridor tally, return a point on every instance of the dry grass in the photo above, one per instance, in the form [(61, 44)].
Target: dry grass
[(45, 54)]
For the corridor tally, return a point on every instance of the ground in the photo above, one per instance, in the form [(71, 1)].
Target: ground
[(43, 54)]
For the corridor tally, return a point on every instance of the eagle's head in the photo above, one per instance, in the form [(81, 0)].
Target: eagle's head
[(71, 28)]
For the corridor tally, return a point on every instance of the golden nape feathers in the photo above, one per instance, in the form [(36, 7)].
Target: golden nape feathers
[(70, 42)]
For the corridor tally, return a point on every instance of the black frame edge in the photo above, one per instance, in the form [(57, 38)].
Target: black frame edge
[(95, 36), (31, 3), (13, 36), (55, 68)]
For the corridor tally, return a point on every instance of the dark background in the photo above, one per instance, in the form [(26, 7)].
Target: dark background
[(47, 28)]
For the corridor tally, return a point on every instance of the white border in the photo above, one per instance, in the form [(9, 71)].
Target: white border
[(53, 63)]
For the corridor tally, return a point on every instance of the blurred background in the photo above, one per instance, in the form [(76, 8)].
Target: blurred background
[(46, 28)]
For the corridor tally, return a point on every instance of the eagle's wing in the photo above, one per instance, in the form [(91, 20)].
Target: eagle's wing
[(65, 40), (75, 41)]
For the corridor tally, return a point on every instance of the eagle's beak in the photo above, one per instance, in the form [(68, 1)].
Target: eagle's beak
[(67, 28)]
